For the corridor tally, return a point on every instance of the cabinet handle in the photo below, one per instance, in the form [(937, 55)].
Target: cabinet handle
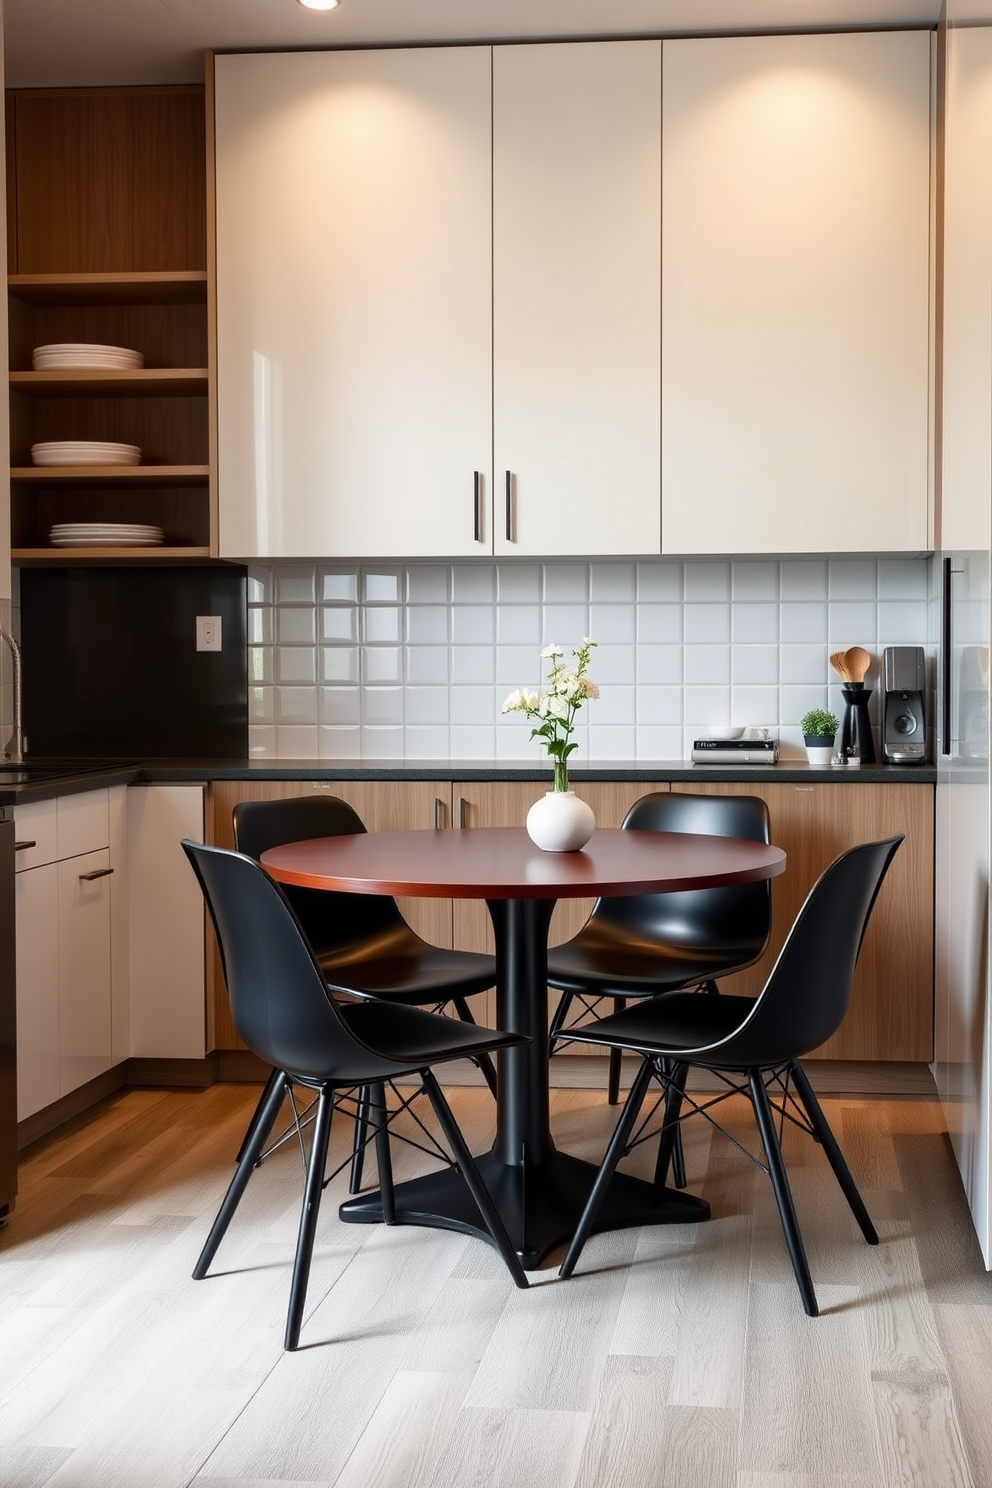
[(509, 506), (460, 813), (96, 873), (477, 500), (438, 813), (22, 846)]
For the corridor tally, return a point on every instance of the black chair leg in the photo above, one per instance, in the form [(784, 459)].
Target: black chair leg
[(473, 1178), (274, 1075), (783, 1193), (379, 1114), (359, 1141), (259, 1128), (616, 1060), (835, 1157), (483, 1061), (308, 1217), (614, 1152), (670, 1154)]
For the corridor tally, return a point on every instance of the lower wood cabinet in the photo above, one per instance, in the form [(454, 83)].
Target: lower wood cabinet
[(891, 1017)]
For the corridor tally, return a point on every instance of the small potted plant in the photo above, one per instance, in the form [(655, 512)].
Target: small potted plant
[(819, 731)]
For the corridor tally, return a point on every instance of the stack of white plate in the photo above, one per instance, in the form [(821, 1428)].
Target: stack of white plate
[(105, 535), (65, 355), (84, 452)]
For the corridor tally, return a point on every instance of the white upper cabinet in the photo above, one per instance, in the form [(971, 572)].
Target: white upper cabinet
[(967, 291), (354, 302), (576, 297), (795, 270)]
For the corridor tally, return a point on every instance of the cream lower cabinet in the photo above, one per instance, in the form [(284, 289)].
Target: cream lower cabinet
[(795, 264), (65, 913)]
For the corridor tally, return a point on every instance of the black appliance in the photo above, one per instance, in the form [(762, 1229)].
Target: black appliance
[(904, 738)]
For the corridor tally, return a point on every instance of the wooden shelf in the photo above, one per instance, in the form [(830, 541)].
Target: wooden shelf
[(88, 382), (92, 475), (180, 287), (107, 555)]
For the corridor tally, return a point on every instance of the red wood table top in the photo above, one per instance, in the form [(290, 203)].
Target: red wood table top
[(503, 863)]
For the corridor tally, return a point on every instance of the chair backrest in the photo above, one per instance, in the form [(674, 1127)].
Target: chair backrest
[(279, 1002), (808, 991), (330, 922), (738, 916)]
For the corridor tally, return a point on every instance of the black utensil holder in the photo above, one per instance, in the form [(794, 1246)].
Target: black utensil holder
[(856, 740)]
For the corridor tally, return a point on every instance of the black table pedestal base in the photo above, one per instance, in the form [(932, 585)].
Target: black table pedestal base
[(540, 1204)]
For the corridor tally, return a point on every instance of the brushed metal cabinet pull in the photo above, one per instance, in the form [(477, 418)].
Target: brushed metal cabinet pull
[(23, 846), (96, 873), (509, 506), (477, 500)]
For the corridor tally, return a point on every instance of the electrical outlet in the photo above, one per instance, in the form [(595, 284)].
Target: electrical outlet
[(208, 633)]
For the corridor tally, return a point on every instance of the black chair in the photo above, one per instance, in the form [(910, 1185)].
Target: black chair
[(754, 1045), (362, 943), (643, 945), (283, 1011)]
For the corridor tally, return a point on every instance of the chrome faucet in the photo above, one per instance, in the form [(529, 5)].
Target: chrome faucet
[(15, 744)]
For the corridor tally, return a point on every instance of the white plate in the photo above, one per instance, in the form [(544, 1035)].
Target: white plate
[(84, 452), (85, 354), (112, 531), (107, 540)]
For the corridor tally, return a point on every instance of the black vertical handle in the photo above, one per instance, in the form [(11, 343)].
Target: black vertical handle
[(945, 659), (509, 506), (477, 500)]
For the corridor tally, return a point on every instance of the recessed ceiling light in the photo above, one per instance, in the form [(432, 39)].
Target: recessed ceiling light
[(320, 4)]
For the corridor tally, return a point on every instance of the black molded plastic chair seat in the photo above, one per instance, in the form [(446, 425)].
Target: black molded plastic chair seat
[(399, 965), (607, 961), (285, 1013), (755, 1044)]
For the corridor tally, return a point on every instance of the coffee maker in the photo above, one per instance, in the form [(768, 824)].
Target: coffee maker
[(904, 740)]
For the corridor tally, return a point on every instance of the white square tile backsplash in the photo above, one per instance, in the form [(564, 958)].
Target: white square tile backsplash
[(685, 647)]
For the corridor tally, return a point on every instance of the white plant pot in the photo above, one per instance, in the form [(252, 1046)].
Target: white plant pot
[(560, 822), (819, 754)]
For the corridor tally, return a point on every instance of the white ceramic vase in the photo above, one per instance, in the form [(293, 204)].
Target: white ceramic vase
[(560, 822)]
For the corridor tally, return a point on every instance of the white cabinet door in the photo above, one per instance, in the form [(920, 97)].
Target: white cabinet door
[(37, 912), (576, 297), (354, 302), (84, 968), (795, 260)]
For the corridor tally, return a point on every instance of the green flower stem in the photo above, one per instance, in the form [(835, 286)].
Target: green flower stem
[(561, 775)]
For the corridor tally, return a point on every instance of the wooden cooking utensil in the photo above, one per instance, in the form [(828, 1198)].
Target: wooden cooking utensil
[(839, 665), (857, 661)]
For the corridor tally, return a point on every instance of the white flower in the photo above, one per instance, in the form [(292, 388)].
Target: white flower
[(551, 651), (589, 689)]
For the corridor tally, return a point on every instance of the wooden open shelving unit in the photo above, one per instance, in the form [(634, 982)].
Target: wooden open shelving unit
[(107, 243)]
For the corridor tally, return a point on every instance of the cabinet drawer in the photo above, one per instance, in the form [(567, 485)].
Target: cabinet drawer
[(35, 834), (83, 823)]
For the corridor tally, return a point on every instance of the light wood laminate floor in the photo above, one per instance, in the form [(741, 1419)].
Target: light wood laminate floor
[(677, 1356)]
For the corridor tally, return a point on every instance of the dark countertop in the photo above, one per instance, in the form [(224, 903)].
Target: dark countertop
[(47, 779)]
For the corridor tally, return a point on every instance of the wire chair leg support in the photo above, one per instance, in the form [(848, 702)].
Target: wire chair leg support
[(783, 1193), (308, 1217), (614, 1152), (379, 1114), (359, 1141), (259, 1128), (483, 1061), (473, 1178), (835, 1157), (558, 1019)]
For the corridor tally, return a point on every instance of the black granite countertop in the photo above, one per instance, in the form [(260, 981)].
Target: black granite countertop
[(46, 779)]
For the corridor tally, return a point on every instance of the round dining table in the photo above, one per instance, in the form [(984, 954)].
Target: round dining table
[(539, 1191)]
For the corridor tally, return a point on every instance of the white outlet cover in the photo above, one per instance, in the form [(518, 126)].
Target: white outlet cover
[(208, 632)]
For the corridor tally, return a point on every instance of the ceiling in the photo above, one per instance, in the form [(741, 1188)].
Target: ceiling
[(53, 43)]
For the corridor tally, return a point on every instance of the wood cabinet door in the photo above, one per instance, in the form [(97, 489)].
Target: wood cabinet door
[(354, 302), (576, 297), (383, 805), (795, 263), (891, 1013), (505, 804)]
